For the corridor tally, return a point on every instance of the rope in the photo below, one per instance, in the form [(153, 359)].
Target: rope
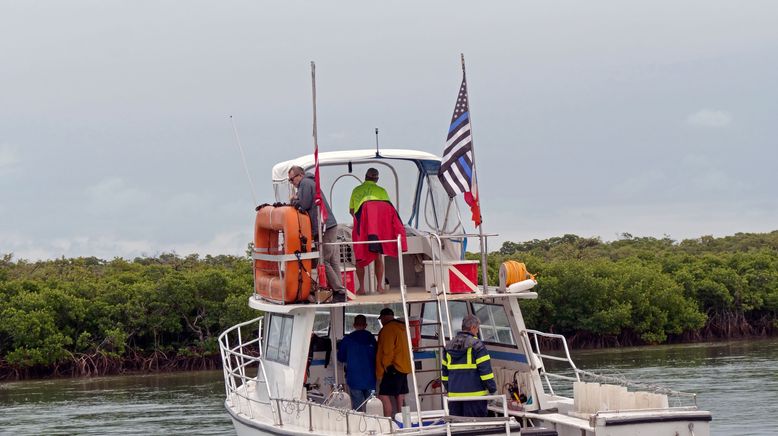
[(513, 272)]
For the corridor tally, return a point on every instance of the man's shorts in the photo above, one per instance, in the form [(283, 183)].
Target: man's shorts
[(394, 383)]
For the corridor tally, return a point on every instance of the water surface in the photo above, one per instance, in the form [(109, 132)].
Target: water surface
[(737, 381), (178, 403)]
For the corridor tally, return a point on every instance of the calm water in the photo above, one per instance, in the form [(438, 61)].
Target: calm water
[(180, 403), (737, 381)]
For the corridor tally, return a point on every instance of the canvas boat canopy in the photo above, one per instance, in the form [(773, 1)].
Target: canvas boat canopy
[(428, 160)]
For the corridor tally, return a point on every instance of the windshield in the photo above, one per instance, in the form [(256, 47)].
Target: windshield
[(439, 213), (412, 186), (399, 177)]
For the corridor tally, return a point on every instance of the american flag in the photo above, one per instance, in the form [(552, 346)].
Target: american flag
[(457, 173)]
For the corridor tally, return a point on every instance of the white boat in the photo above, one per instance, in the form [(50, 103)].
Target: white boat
[(431, 288)]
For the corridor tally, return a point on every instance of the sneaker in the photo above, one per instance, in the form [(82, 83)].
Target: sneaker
[(338, 297), (349, 295)]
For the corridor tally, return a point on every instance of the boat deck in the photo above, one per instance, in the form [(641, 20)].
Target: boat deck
[(412, 295)]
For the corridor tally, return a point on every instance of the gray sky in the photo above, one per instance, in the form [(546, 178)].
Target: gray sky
[(593, 118)]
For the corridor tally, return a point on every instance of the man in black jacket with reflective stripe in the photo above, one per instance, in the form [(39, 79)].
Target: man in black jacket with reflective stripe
[(467, 370)]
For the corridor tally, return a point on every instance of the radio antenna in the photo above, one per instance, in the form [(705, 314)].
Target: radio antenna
[(376, 143), (243, 158)]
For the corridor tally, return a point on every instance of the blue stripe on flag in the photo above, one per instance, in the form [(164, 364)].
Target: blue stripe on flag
[(458, 121), (466, 168)]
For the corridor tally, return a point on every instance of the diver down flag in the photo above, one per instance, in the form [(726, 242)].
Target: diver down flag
[(457, 172)]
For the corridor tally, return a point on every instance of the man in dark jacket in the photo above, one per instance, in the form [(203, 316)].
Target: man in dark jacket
[(467, 371), (304, 200), (357, 350)]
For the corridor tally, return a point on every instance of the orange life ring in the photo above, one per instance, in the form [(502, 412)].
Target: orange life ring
[(284, 281)]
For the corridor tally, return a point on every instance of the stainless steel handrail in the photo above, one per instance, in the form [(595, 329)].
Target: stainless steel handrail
[(507, 422), (276, 404), (244, 360), (437, 272), (595, 377), (540, 355)]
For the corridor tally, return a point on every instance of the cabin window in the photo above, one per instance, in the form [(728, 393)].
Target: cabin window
[(429, 316), (279, 338), (458, 310), (321, 323), (398, 176), (495, 327), (371, 312)]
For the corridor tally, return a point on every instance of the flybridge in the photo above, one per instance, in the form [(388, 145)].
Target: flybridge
[(277, 382)]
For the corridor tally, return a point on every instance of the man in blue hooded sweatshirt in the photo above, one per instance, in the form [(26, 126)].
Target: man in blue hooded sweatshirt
[(467, 370), (357, 350), (304, 199)]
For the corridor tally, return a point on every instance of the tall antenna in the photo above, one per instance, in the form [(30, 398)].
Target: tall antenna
[(243, 158), (376, 143)]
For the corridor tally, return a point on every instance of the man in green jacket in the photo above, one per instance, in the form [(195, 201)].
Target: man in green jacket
[(368, 191)]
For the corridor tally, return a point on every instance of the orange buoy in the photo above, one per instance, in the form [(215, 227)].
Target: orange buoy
[(282, 231)]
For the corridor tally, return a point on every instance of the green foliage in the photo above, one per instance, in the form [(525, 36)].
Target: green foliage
[(53, 311), (649, 290), (633, 290)]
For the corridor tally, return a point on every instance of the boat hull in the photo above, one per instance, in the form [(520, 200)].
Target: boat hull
[(245, 426)]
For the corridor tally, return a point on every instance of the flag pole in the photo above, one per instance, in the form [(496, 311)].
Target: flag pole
[(316, 156), (481, 237)]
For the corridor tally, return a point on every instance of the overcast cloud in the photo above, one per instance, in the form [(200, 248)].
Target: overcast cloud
[(593, 118)]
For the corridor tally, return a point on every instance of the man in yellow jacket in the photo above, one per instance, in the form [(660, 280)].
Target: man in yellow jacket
[(392, 363)]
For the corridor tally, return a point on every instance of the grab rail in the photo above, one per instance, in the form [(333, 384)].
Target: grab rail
[(243, 360), (578, 373), (236, 359), (476, 422), (540, 355)]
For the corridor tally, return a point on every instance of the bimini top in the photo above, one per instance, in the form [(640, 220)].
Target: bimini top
[(281, 170)]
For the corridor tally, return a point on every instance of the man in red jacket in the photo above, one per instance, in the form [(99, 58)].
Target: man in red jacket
[(374, 219)]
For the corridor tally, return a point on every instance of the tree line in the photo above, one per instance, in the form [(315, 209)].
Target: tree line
[(643, 290), (88, 316)]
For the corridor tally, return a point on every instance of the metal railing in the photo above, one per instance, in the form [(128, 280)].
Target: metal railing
[(475, 422), (239, 358), (680, 398)]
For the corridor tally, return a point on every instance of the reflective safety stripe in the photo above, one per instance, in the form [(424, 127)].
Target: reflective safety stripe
[(487, 376), (468, 365), (444, 378), (467, 394), (463, 366), (482, 359)]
